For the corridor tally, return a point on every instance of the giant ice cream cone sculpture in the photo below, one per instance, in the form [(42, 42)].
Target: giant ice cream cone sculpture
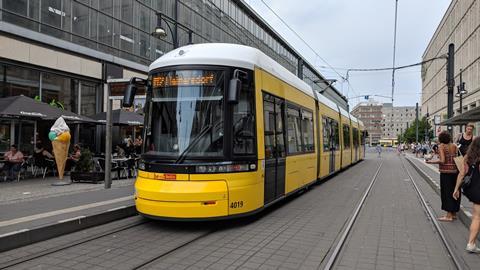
[(60, 137)]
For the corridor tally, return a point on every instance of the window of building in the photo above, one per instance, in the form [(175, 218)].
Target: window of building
[(294, 137)]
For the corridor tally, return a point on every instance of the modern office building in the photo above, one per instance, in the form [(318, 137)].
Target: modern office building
[(461, 26), (370, 113), (64, 51), (396, 119)]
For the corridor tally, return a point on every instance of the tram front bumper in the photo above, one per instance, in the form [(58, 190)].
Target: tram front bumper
[(181, 199)]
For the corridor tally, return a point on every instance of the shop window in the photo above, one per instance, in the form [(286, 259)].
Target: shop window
[(88, 99), (19, 81), (294, 137), (60, 91)]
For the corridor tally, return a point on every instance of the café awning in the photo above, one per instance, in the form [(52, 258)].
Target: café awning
[(121, 118), (22, 107), (464, 118)]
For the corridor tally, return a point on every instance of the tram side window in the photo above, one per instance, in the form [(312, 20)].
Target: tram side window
[(355, 137), (326, 134), (294, 137), (335, 135), (269, 111), (346, 136), (244, 122), (307, 131)]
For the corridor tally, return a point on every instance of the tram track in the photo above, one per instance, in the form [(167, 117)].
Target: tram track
[(431, 215), (346, 232), (335, 255), (65, 246)]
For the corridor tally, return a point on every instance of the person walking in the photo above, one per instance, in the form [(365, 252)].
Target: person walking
[(471, 162), (448, 175), (463, 140), (379, 150)]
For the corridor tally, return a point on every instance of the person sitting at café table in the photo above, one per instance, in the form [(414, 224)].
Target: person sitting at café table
[(13, 161), (120, 151), (73, 158), (39, 150)]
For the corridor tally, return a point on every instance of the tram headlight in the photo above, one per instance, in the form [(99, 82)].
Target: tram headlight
[(141, 165), (226, 168)]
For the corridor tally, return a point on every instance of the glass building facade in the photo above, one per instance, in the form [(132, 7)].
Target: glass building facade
[(122, 28), (118, 33)]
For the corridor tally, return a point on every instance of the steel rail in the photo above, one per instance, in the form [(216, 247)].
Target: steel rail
[(58, 248), (434, 220), (346, 232)]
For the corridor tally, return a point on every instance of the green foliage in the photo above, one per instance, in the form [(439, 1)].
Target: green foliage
[(409, 134), (85, 163)]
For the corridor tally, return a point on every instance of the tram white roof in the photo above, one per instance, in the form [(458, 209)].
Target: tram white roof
[(329, 103), (353, 118), (344, 113), (225, 54)]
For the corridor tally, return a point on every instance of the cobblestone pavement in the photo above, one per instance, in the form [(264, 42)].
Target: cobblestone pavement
[(392, 230), (294, 234), (36, 188), (392, 233)]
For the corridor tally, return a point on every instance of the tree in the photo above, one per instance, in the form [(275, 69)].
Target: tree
[(409, 134)]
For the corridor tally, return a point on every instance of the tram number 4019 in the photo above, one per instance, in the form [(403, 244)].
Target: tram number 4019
[(238, 204)]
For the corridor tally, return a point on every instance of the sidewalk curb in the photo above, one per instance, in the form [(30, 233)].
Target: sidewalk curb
[(30, 236), (463, 215)]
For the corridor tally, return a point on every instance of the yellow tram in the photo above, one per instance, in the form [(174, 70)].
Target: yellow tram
[(229, 131)]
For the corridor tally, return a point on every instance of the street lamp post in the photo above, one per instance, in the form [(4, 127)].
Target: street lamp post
[(160, 32), (460, 92)]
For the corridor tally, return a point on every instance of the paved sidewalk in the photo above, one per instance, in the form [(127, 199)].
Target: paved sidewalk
[(36, 188), (33, 207)]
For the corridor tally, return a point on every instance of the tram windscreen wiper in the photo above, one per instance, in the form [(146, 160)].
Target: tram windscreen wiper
[(194, 142)]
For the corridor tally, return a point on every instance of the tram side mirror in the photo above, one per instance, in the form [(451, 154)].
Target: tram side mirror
[(129, 95), (233, 90)]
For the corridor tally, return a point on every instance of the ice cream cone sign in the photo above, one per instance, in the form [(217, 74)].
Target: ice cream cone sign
[(60, 136)]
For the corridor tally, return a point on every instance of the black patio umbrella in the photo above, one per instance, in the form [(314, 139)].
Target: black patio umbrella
[(121, 118), (22, 107)]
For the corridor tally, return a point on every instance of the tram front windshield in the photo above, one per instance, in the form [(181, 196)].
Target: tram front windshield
[(187, 114)]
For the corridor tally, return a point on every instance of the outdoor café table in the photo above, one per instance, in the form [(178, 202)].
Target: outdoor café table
[(119, 161)]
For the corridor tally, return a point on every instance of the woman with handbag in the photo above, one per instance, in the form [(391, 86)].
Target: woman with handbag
[(463, 140), (469, 181), (448, 175)]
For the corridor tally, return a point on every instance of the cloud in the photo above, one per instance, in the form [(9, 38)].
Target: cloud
[(359, 34)]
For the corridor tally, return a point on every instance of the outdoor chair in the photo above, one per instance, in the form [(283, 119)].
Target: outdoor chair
[(22, 172), (42, 164), (115, 167)]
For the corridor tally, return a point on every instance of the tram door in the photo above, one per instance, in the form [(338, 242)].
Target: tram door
[(275, 157)]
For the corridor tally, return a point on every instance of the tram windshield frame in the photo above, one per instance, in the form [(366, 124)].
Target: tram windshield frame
[(189, 119)]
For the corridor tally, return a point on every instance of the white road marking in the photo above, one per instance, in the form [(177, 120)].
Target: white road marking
[(14, 232), (116, 208), (62, 211), (70, 219)]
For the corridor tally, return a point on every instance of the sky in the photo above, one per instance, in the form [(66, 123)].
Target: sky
[(359, 34)]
